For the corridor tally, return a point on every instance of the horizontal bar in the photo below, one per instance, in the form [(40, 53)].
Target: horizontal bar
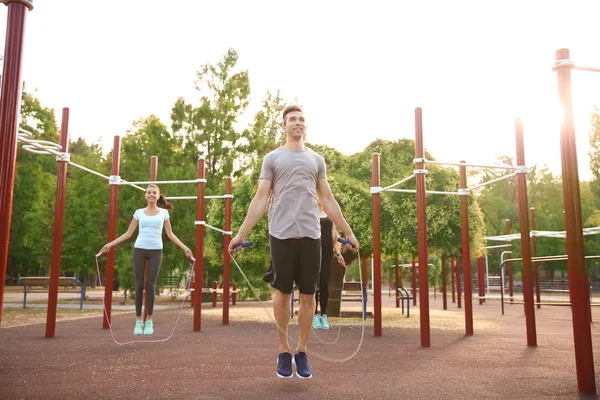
[(160, 182), (218, 230), (398, 183), (181, 197), (592, 69), (226, 196), (427, 191), (492, 181), (498, 246), (472, 165), (88, 170)]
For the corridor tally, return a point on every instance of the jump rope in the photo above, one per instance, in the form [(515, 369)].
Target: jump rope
[(244, 245)]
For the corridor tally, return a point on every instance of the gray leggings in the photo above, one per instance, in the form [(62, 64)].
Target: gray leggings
[(154, 258)]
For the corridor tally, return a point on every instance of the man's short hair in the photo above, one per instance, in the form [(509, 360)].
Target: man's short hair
[(290, 109)]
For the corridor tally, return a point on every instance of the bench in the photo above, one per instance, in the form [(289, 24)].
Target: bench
[(214, 291), (66, 284), (558, 286), (402, 294), (172, 283), (358, 293)]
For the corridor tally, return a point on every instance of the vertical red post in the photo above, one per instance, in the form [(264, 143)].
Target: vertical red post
[(458, 283), (481, 280), (444, 294), (10, 110), (509, 265), (414, 282), (59, 216), (153, 177), (226, 257), (233, 293), (376, 206), (525, 239), (534, 253), (452, 274), (578, 277), (434, 282), (199, 247), (397, 273), (112, 232), (214, 293), (422, 230), (466, 252)]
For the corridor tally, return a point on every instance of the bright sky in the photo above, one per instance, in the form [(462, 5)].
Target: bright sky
[(358, 68)]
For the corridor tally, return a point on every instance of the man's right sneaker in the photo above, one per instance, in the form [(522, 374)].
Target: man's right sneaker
[(139, 327), (303, 370), (284, 365), (317, 322)]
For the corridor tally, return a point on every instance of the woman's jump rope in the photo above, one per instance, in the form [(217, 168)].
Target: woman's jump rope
[(145, 341), (323, 358)]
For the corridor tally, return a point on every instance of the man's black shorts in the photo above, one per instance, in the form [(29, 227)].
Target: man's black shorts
[(294, 260)]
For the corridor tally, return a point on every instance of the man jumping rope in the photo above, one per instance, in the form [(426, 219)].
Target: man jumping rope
[(295, 174)]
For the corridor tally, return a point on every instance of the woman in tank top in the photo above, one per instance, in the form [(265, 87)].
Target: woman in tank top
[(148, 247)]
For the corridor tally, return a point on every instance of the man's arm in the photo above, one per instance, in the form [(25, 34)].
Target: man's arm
[(255, 211), (333, 211)]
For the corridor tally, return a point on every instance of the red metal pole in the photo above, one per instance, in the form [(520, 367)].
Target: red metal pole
[(481, 281), (452, 273), (199, 248), (527, 272), (226, 258), (376, 206), (466, 252), (578, 277), (534, 253), (414, 282), (153, 177), (398, 282), (112, 232), (444, 294), (59, 217), (10, 110), (422, 230), (509, 265)]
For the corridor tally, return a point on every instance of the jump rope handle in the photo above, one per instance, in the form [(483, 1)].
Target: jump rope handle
[(344, 241), (243, 244)]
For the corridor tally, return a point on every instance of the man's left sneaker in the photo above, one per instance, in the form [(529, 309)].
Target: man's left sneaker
[(303, 370)]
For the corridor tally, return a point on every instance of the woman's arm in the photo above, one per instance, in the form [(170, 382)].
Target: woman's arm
[(176, 240), (337, 247), (132, 226)]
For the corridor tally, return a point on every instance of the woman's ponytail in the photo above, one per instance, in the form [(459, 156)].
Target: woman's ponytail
[(162, 202)]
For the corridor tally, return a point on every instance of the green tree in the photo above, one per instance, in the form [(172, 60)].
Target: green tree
[(210, 128)]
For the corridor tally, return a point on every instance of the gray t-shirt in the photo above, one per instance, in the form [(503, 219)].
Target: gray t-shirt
[(294, 175)]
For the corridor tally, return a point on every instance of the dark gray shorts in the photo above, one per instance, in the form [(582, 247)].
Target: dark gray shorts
[(294, 260)]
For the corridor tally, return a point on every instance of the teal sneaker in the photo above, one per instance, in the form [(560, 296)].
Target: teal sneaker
[(138, 330), (324, 322), (317, 322), (148, 328)]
